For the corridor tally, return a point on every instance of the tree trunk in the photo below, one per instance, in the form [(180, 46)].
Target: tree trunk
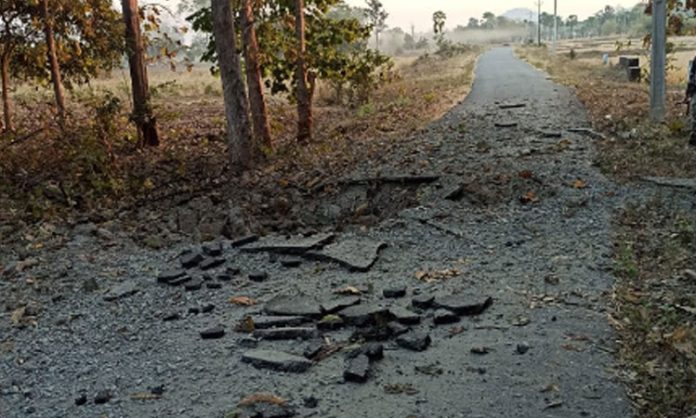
[(304, 103), (236, 105), (142, 110), (259, 115), (6, 100), (56, 77)]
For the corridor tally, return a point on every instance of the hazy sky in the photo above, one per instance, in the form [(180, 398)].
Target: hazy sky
[(404, 12)]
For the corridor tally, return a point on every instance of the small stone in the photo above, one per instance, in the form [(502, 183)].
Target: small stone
[(522, 348), (313, 349), (443, 316), (194, 311), (258, 276), (173, 316), (213, 285), (404, 316), (291, 262), (276, 360), (103, 396), (395, 292), (211, 263), (310, 402), (81, 400), (190, 260), (423, 301), (357, 369), (213, 333), (213, 250), (168, 276), (337, 305), (207, 308), (464, 305), (415, 341), (193, 285), (480, 350), (363, 315), (179, 281), (288, 333)]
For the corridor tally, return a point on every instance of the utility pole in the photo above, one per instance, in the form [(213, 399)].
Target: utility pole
[(657, 70), (555, 25), (539, 22)]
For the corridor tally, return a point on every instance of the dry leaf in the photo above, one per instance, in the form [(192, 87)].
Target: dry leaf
[(18, 315), (242, 301), (144, 396), (549, 388), (580, 184), (436, 276), (348, 291), (526, 174), (246, 325), (529, 197), (256, 398)]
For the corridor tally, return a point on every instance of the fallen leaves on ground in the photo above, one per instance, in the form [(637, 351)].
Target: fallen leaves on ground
[(400, 388), (580, 184), (529, 197)]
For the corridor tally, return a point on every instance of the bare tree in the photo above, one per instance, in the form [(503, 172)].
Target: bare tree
[(236, 106), (142, 109), (304, 99), (259, 114)]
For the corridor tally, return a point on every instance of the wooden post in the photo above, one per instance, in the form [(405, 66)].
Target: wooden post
[(657, 70), (142, 110)]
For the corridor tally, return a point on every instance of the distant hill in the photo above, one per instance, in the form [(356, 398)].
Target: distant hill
[(520, 14)]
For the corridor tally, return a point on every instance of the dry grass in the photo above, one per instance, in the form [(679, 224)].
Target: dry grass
[(655, 301)]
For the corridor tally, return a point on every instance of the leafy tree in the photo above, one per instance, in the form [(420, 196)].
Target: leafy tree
[(572, 23), (473, 23), (15, 40), (439, 19), (377, 17), (488, 20)]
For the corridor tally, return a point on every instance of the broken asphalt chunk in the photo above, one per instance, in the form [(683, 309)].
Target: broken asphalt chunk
[(415, 341), (167, 276), (394, 292), (213, 250), (336, 305), (258, 276), (354, 254), (443, 316), (363, 315), (276, 360), (213, 333), (239, 242), (423, 301), (293, 306), (289, 333), (292, 245), (463, 304), (265, 322), (404, 316), (211, 263), (190, 260), (121, 291), (357, 369)]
